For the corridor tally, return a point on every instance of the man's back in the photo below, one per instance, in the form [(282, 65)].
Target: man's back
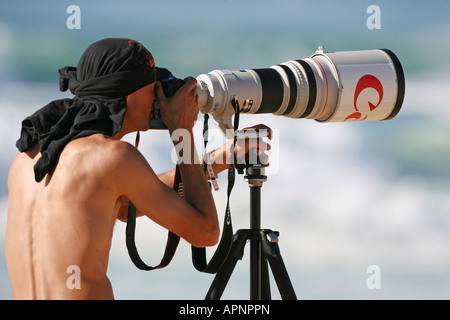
[(65, 220)]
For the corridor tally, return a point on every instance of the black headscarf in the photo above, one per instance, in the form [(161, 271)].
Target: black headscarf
[(107, 72)]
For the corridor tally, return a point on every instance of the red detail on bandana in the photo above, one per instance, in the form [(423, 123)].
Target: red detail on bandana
[(148, 56)]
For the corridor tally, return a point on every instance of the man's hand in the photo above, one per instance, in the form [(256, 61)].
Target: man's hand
[(179, 111), (222, 157), (256, 146)]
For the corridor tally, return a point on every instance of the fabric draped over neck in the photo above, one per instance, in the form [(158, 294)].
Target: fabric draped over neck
[(108, 71)]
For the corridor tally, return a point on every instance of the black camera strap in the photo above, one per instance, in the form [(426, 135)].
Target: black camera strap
[(171, 245), (226, 240), (172, 238)]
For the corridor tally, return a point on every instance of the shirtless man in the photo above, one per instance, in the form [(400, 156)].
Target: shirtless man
[(68, 217)]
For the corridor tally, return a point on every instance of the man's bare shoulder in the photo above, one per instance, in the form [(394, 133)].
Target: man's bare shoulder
[(99, 159), (101, 145), (98, 153)]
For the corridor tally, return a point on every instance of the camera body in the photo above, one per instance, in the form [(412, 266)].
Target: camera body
[(169, 84)]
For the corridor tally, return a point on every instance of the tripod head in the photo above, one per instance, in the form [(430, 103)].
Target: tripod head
[(255, 175), (255, 170)]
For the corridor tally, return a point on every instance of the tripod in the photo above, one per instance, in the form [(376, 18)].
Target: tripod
[(263, 249)]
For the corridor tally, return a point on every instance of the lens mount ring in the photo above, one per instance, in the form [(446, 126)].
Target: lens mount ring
[(298, 87)]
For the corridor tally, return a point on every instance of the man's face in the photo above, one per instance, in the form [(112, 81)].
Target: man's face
[(152, 98), (140, 103)]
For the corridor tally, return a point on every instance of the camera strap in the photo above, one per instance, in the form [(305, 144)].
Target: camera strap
[(171, 245), (223, 249), (172, 238)]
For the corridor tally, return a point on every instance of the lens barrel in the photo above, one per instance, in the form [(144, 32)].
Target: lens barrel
[(327, 87)]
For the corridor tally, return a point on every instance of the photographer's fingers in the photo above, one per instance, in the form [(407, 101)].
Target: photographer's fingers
[(190, 87), (248, 149), (180, 110), (188, 93), (159, 92), (245, 146)]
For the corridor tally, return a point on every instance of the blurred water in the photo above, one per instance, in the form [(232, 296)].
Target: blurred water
[(344, 196)]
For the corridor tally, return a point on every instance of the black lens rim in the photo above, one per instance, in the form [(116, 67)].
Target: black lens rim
[(292, 89), (400, 83), (272, 90)]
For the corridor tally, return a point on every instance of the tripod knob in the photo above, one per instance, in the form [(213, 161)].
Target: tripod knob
[(272, 237)]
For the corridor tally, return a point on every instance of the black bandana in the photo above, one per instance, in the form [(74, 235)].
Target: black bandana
[(108, 71)]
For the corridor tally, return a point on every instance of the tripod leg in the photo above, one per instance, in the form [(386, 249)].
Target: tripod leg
[(259, 273), (272, 252), (265, 283), (225, 271), (255, 266)]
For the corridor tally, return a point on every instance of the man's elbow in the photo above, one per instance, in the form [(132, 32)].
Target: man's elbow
[(208, 236), (214, 235)]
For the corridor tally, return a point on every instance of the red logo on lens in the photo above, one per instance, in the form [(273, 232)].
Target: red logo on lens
[(366, 81)]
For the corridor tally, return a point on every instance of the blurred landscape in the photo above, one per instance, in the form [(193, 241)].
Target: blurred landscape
[(344, 196)]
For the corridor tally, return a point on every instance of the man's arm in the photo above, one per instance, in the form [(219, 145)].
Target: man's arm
[(193, 218), (180, 113)]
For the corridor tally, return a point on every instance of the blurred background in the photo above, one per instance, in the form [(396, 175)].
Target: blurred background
[(344, 196)]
